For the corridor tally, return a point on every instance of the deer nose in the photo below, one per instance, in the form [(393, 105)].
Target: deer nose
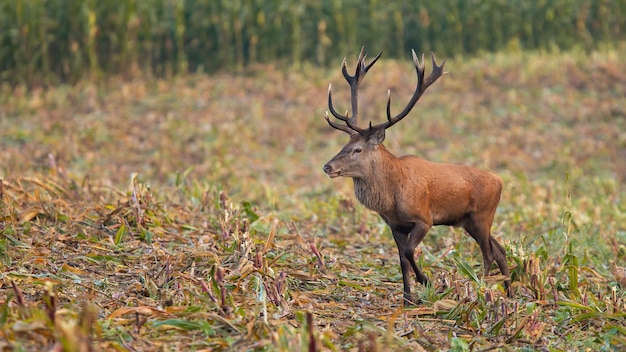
[(327, 169)]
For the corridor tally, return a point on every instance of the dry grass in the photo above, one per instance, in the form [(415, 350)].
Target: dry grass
[(193, 213)]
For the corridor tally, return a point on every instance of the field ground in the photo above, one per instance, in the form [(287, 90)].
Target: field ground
[(192, 213)]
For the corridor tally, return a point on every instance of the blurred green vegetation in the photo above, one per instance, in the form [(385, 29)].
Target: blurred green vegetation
[(52, 41)]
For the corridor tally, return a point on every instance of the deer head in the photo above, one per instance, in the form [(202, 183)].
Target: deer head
[(359, 153)]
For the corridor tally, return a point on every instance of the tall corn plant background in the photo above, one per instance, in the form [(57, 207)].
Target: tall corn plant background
[(52, 41)]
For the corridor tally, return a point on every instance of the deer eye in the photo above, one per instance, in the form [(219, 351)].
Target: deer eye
[(357, 150)]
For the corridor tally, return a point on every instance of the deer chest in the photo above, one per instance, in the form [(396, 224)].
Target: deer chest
[(372, 197)]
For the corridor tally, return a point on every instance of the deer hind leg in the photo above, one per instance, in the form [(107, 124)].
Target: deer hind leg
[(499, 254), (490, 248), (481, 236)]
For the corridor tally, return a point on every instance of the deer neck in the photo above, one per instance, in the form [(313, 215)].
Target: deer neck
[(376, 189)]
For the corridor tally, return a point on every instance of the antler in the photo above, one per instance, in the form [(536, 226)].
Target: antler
[(354, 81), (351, 122), (422, 85)]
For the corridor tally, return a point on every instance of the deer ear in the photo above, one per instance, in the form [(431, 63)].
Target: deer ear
[(377, 137)]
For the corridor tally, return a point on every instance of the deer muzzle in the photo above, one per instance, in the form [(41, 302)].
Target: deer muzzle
[(328, 169)]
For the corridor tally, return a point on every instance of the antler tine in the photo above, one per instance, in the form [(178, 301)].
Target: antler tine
[(388, 104), (368, 66), (360, 67), (354, 81), (344, 70), (332, 124), (437, 71), (332, 108), (350, 128), (421, 87)]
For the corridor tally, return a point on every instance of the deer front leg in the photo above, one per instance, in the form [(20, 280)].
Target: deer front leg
[(401, 239), (406, 243)]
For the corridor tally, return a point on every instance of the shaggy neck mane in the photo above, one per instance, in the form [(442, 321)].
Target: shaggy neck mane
[(375, 192)]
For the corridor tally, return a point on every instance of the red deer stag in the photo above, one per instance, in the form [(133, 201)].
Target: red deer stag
[(412, 194)]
